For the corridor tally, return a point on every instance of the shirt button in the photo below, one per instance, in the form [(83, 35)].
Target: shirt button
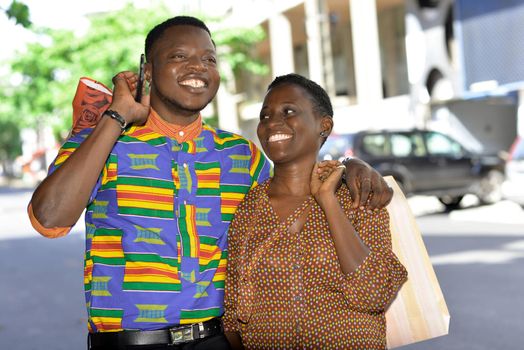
[(180, 133), (298, 298), (185, 165)]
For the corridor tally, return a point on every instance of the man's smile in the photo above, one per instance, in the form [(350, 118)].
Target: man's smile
[(194, 83)]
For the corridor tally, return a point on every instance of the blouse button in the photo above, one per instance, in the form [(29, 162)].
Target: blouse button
[(298, 298)]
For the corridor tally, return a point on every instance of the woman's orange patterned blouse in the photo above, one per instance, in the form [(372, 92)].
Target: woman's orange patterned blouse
[(291, 293)]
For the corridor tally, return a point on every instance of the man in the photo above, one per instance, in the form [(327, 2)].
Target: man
[(159, 197)]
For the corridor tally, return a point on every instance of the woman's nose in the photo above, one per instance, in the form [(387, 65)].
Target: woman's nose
[(275, 119)]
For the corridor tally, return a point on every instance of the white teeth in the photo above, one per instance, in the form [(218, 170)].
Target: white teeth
[(278, 137), (193, 83)]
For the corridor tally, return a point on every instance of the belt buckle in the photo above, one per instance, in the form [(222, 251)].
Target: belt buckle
[(181, 335)]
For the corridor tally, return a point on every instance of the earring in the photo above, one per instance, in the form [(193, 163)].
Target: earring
[(323, 133)]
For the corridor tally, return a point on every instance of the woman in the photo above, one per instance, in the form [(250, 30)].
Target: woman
[(305, 270)]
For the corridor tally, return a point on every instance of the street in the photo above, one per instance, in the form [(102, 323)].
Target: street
[(477, 252)]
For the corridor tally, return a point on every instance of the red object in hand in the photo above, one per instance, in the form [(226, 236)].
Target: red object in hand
[(91, 100)]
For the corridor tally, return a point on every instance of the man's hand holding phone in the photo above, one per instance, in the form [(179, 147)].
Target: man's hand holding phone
[(135, 109), (140, 84)]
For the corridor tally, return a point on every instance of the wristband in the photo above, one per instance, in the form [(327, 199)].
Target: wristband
[(116, 116)]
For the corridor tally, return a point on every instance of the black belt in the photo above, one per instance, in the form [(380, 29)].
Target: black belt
[(170, 336)]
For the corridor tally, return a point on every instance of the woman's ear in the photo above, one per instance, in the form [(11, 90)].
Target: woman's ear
[(327, 125)]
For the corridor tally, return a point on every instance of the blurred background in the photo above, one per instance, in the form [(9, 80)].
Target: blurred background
[(393, 68)]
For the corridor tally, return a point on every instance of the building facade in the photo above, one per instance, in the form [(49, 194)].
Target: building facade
[(385, 63)]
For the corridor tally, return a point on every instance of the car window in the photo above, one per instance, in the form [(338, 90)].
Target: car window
[(417, 143), (401, 145), (439, 144), (337, 147), (375, 145)]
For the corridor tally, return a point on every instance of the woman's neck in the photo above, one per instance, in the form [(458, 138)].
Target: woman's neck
[(292, 180)]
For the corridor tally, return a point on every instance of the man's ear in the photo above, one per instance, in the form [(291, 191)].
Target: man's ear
[(326, 124), (147, 72)]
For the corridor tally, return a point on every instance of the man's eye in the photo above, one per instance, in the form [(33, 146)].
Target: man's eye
[(210, 59), (264, 116), (288, 111)]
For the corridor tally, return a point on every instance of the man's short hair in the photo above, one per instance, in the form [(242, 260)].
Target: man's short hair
[(157, 32)]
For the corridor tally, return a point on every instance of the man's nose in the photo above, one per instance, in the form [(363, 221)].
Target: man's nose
[(196, 63)]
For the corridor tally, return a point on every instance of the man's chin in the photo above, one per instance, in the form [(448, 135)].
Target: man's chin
[(191, 110), (188, 109)]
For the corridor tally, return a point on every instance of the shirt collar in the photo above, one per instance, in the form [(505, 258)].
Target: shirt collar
[(181, 133)]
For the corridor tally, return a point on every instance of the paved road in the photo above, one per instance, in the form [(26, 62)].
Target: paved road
[(478, 254), (481, 273), (41, 284)]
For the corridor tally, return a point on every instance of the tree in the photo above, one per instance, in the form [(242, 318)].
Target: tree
[(19, 12), (10, 144), (51, 68)]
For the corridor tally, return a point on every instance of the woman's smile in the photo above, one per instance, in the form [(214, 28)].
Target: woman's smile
[(279, 137)]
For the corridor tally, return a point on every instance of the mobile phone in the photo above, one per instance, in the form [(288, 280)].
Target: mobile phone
[(140, 84)]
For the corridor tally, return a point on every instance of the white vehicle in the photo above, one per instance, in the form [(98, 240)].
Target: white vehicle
[(513, 188)]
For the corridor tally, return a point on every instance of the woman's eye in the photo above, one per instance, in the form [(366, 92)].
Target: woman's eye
[(264, 116), (288, 111)]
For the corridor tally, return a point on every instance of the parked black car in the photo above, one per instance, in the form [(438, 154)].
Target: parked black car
[(424, 162)]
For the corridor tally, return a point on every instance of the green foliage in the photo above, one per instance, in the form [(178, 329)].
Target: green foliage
[(239, 43), (19, 12), (50, 68), (114, 42), (39, 91), (10, 140)]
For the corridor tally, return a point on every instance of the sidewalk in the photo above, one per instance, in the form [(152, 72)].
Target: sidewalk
[(14, 197), (8, 185)]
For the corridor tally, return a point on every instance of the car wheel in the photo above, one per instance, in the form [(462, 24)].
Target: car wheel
[(490, 187), (450, 202)]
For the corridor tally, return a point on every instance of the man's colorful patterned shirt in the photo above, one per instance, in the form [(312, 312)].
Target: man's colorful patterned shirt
[(156, 225)]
